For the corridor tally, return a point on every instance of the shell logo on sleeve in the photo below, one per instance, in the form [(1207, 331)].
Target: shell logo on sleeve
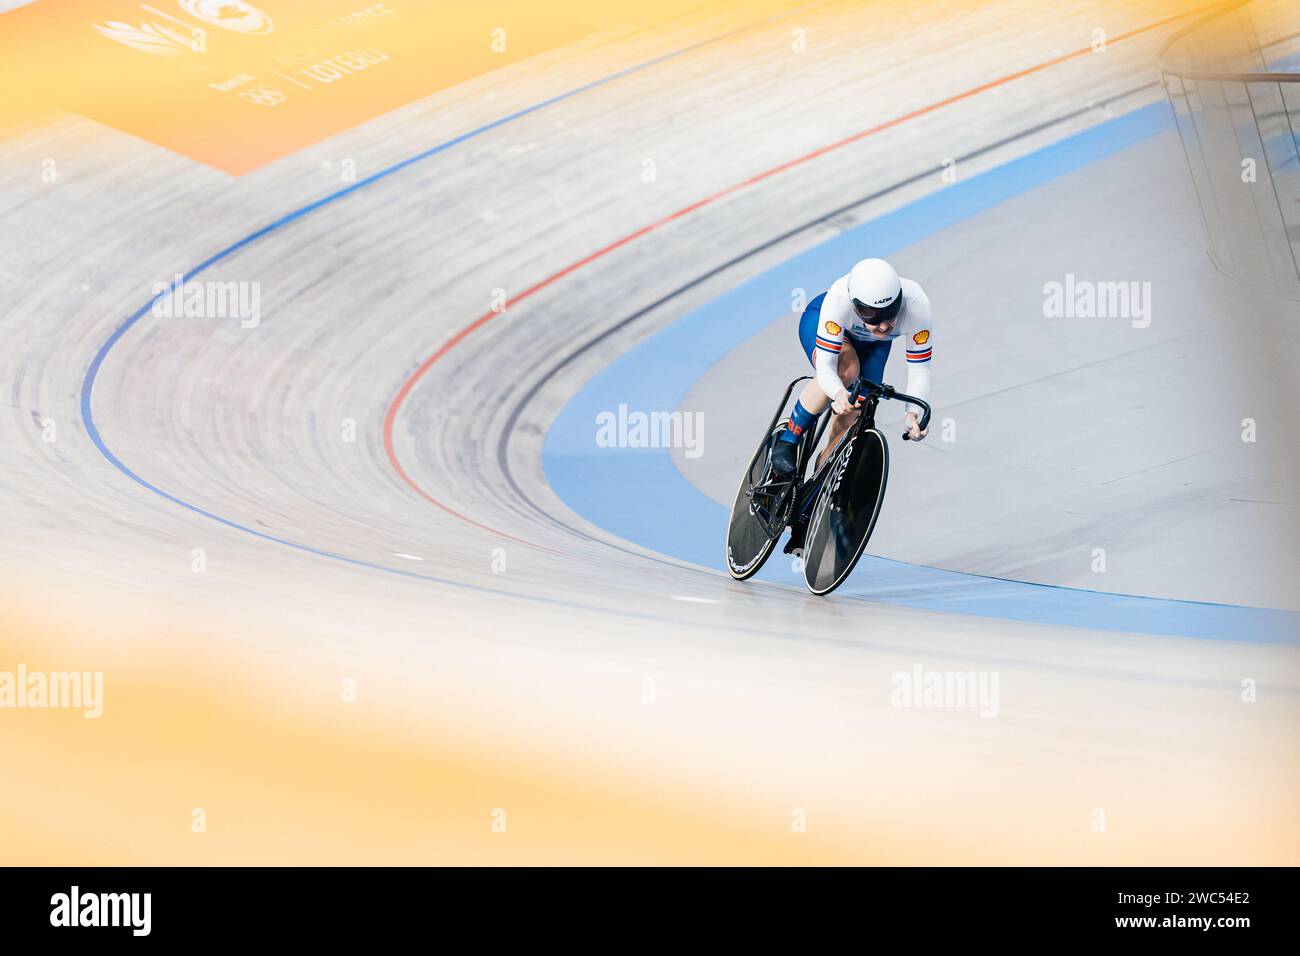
[(833, 328), (920, 338)]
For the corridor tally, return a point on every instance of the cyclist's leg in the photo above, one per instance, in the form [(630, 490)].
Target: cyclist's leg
[(849, 365), (872, 357), (865, 360), (811, 401)]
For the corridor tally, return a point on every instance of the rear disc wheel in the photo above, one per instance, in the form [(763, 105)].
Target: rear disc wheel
[(748, 540)]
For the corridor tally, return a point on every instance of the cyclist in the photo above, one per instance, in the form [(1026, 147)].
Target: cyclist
[(870, 308)]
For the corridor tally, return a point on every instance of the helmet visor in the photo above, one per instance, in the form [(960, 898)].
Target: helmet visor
[(877, 315)]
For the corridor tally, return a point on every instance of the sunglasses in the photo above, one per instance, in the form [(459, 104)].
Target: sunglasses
[(873, 315)]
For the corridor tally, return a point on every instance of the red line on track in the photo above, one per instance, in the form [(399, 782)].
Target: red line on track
[(390, 417)]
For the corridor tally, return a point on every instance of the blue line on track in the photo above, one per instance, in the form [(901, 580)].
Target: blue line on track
[(92, 373), (639, 495)]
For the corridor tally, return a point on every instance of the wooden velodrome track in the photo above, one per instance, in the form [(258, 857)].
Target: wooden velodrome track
[(618, 705)]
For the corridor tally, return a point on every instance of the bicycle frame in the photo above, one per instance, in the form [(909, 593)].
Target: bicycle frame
[(805, 490), (808, 490)]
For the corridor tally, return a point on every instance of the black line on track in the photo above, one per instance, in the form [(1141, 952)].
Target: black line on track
[(516, 412)]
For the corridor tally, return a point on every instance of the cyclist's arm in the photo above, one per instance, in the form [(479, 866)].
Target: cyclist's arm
[(918, 382), (826, 357), (828, 371), (920, 350)]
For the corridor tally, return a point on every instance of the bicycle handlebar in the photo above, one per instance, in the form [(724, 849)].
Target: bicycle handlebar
[(888, 392)]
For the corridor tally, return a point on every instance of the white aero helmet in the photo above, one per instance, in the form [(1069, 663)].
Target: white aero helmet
[(876, 291)]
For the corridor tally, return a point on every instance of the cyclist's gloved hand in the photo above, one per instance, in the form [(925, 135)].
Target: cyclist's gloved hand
[(914, 426), (841, 403)]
